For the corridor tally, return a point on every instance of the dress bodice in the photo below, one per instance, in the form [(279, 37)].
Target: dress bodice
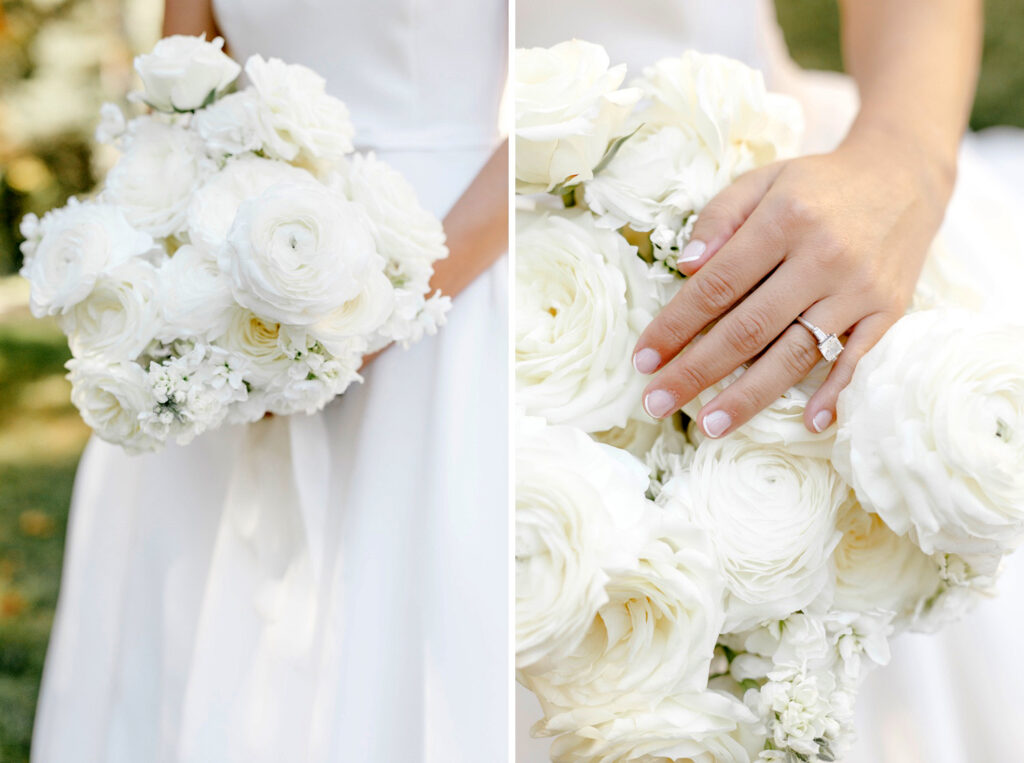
[(415, 74)]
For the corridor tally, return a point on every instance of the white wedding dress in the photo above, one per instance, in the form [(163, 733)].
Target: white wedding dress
[(332, 587), (954, 697)]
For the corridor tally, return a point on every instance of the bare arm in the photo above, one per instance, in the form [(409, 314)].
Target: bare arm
[(190, 17), (477, 227), (839, 238)]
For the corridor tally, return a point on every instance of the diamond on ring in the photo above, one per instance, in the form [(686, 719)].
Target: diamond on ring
[(828, 344)]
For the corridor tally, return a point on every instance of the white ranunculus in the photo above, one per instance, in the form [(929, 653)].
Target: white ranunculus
[(771, 515), (657, 180), (655, 635), (195, 297), (568, 109), (260, 343), (232, 125), (302, 123), (70, 248), (346, 329), (876, 569), (781, 422), (637, 436), (409, 237), (931, 432), (184, 73), (111, 396), (297, 252), (582, 298), (214, 205), (155, 178), (579, 509), (727, 104), (121, 315), (697, 727)]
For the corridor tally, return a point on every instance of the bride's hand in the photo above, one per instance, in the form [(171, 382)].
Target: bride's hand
[(838, 238)]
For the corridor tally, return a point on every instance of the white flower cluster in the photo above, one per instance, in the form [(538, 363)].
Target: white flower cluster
[(681, 598), (240, 258)]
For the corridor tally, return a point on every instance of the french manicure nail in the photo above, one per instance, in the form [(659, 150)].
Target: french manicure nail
[(659, 404), (692, 251), (646, 360), (821, 420), (716, 422)]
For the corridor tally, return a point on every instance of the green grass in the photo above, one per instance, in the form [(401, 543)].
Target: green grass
[(812, 33), (40, 440)]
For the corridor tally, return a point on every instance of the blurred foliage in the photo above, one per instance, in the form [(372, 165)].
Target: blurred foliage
[(812, 33)]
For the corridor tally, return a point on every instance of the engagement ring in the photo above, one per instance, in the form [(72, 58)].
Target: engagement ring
[(828, 344)]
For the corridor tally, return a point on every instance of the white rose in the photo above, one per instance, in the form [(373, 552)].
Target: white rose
[(409, 237), (582, 298), (771, 515), (579, 506), (698, 727), (297, 252), (655, 635), (155, 177), (232, 125), (121, 315), (302, 123), (876, 569), (185, 73), (656, 180), (214, 205), (727, 104), (70, 248), (195, 297), (111, 396), (931, 432), (568, 109), (260, 343), (782, 421)]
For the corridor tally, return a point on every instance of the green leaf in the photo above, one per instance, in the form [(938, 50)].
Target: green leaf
[(613, 149)]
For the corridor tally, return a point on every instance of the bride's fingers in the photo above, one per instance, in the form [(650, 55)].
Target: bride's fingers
[(790, 358), (739, 336), (821, 408), (723, 216), (758, 246)]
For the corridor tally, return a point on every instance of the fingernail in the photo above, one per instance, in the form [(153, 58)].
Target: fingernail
[(821, 420), (716, 422), (659, 404), (646, 360), (692, 251)]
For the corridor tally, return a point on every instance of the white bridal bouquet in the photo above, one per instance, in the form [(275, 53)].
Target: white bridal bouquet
[(680, 598), (240, 258)]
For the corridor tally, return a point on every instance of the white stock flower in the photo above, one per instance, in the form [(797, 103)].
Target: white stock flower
[(111, 396), (297, 252), (70, 248), (931, 432), (121, 315), (184, 73), (876, 569), (568, 109), (726, 103), (215, 203), (582, 298), (409, 237), (697, 727), (111, 125), (579, 509), (301, 122), (195, 297), (154, 179), (771, 515), (655, 635)]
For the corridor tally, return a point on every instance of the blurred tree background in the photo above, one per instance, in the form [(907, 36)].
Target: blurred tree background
[(59, 60)]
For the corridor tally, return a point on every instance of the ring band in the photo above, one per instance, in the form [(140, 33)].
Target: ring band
[(828, 344)]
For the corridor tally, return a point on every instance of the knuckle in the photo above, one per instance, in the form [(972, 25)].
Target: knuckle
[(799, 357), (715, 294), (670, 327), (747, 332), (795, 211), (688, 379)]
